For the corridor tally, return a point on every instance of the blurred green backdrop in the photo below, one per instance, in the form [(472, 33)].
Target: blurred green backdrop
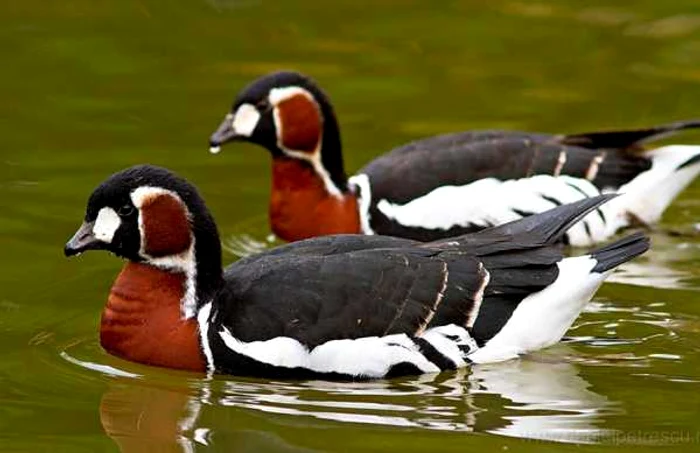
[(92, 86)]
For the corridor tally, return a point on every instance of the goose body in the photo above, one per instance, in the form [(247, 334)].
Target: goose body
[(449, 184), (332, 307)]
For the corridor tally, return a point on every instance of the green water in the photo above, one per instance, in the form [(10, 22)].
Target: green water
[(92, 86)]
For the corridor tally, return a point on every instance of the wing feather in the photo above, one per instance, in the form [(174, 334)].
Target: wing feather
[(321, 297)]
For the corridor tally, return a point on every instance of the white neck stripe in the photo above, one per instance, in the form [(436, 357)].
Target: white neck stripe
[(184, 262), (278, 95)]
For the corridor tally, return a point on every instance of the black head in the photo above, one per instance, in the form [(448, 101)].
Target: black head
[(288, 114), (148, 214)]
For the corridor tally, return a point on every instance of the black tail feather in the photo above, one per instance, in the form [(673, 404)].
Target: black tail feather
[(618, 252), (623, 139), (546, 227)]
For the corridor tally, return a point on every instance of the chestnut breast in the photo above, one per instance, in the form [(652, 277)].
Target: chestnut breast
[(301, 207), (142, 321)]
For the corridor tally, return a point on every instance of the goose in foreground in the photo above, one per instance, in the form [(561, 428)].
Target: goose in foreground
[(333, 307), (451, 184)]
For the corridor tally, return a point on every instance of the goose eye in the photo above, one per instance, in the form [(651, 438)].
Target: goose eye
[(263, 105), (126, 210)]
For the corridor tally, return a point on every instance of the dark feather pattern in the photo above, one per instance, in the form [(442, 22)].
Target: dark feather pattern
[(344, 307), (464, 157), (338, 287), (416, 169), (630, 139), (316, 298), (436, 162), (607, 160)]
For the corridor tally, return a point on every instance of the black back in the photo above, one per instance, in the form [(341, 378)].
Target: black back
[(351, 286)]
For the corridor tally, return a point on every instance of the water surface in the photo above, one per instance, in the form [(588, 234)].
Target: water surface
[(90, 87)]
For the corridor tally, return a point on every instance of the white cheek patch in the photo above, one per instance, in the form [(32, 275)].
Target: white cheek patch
[(245, 120), (106, 224)]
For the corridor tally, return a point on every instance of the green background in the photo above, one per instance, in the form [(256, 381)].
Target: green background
[(92, 86)]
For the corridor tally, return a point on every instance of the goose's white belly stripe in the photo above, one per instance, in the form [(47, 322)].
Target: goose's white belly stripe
[(447, 340), (491, 201), (279, 351), (367, 356), (371, 356)]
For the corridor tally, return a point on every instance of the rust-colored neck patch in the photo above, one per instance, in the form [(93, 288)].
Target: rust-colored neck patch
[(299, 124), (166, 227), (301, 207), (142, 320)]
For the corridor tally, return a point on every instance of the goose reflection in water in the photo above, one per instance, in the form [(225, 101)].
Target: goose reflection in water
[(538, 397)]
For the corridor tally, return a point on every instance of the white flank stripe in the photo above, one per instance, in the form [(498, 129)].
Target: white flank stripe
[(542, 318), (441, 339), (278, 351), (368, 356), (490, 201), (106, 224), (364, 198), (484, 202), (440, 209)]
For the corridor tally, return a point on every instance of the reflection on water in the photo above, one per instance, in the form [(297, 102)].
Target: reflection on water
[(551, 400), (540, 397), (661, 266), (537, 398), (146, 419), (559, 394), (551, 395), (243, 245), (92, 87)]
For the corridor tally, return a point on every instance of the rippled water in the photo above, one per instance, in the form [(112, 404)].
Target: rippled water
[(90, 87)]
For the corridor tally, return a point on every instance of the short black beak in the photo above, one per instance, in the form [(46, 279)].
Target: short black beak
[(224, 134), (83, 240)]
